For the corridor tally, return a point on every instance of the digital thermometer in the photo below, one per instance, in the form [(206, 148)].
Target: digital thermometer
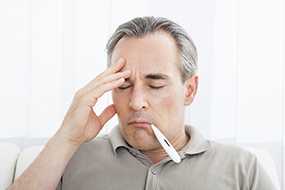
[(169, 149)]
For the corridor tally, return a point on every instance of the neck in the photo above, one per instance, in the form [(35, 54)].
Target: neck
[(156, 155)]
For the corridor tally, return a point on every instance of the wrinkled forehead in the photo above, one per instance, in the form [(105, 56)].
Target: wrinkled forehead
[(153, 53)]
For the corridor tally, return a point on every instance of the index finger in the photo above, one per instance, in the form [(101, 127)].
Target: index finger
[(113, 69), (120, 63)]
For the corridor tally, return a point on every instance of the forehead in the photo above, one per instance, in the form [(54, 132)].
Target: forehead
[(155, 52)]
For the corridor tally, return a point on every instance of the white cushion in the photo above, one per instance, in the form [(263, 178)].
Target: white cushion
[(267, 163), (26, 157), (8, 157)]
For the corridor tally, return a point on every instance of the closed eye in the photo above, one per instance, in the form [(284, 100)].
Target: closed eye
[(127, 86), (156, 87), (124, 87)]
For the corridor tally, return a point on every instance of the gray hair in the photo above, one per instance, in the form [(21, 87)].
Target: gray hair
[(141, 26)]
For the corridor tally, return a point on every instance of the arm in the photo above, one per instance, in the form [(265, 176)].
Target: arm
[(80, 124), (48, 167)]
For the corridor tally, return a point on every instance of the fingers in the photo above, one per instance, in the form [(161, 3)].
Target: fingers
[(115, 76), (95, 93), (114, 68), (110, 74), (109, 78), (107, 114)]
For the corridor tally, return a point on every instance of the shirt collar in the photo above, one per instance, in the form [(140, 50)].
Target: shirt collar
[(117, 139), (197, 144)]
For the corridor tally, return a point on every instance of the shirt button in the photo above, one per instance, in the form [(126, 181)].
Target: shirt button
[(153, 172)]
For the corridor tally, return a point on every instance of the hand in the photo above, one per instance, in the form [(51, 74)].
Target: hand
[(81, 124)]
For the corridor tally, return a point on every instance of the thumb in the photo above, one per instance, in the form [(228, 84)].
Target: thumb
[(107, 114)]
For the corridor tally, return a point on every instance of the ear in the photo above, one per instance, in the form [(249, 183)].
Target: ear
[(190, 86)]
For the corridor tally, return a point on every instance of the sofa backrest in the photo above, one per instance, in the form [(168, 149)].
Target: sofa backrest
[(9, 153)]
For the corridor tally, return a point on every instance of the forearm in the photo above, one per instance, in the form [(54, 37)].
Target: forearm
[(46, 170), (80, 125)]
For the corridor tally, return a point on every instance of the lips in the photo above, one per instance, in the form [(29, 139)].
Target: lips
[(140, 123)]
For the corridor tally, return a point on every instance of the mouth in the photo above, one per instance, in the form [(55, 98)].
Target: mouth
[(140, 124)]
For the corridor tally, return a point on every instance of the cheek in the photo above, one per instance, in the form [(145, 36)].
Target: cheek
[(163, 106), (120, 103), (169, 108), (168, 100)]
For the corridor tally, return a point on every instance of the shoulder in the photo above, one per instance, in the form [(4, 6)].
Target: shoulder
[(244, 164), (232, 155), (230, 150)]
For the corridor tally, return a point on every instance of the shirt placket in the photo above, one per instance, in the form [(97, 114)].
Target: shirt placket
[(152, 182)]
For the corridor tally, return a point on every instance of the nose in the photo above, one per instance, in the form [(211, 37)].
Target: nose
[(138, 100)]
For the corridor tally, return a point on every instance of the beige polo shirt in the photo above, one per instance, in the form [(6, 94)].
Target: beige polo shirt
[(109, 163)]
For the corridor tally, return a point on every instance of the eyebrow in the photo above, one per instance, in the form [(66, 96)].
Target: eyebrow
[(152, 76), (157, 76)]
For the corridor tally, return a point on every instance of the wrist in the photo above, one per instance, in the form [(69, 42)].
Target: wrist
[(63, 144)]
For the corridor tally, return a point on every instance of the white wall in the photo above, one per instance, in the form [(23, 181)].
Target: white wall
[(56, 46)]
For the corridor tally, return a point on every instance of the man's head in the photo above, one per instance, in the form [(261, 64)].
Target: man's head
[(163, 63)]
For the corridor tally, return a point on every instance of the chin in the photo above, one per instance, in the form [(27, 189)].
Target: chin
[(141, 141), (144, 146)]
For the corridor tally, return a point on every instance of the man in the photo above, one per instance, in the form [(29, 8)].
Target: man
[(152, 64)]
